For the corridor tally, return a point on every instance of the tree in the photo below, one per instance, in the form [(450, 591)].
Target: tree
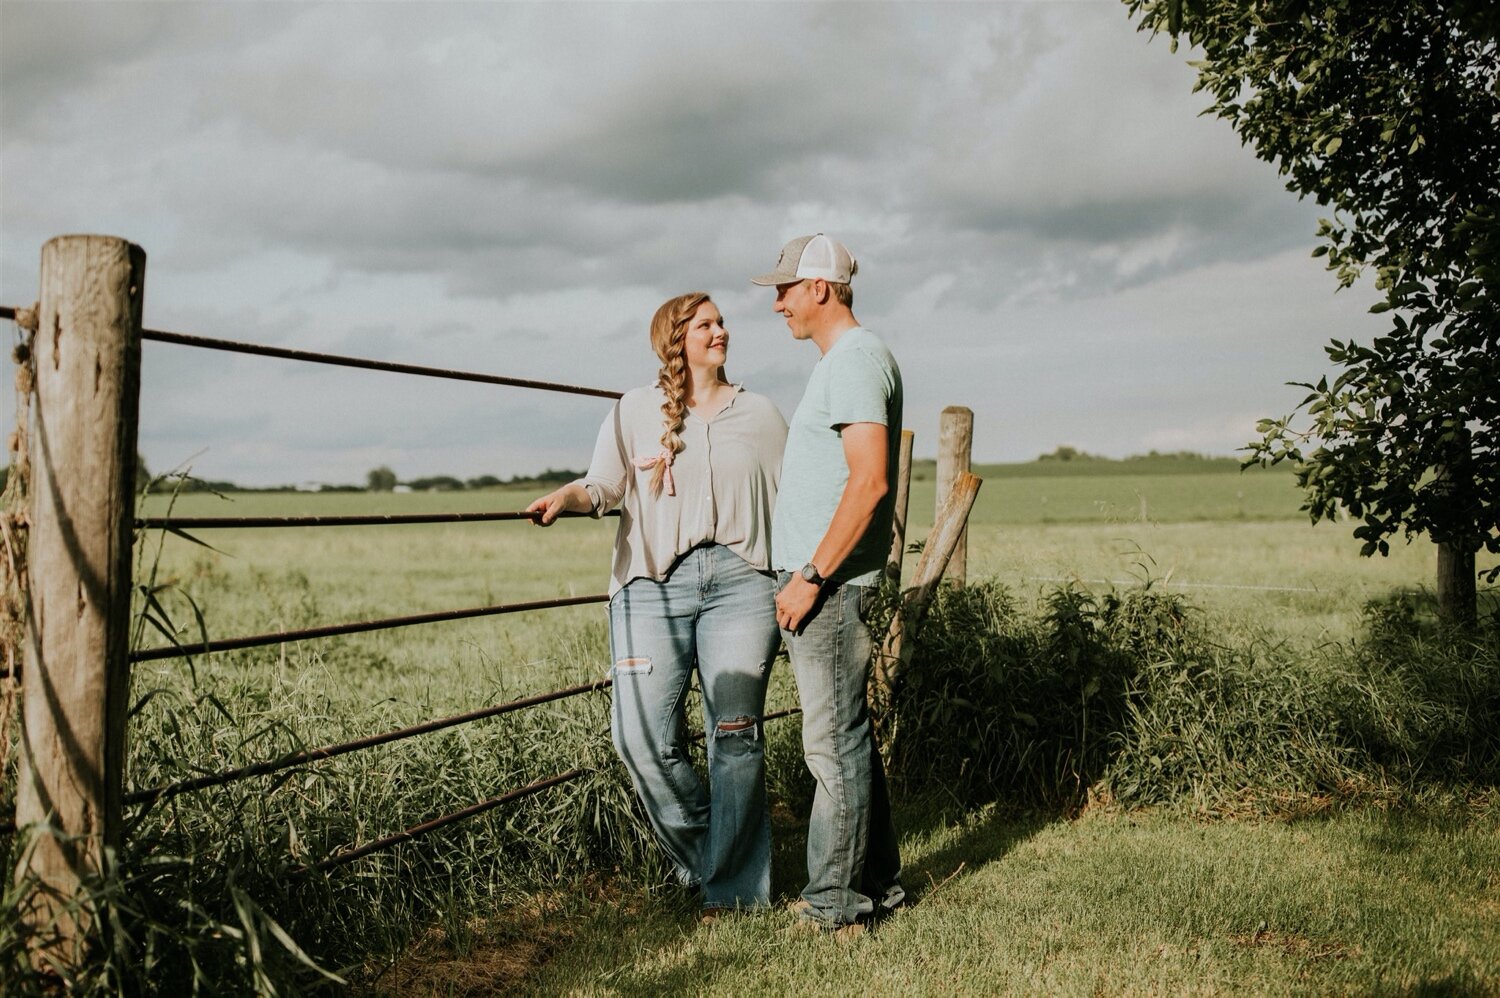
[(1389, 112), (381, 479)]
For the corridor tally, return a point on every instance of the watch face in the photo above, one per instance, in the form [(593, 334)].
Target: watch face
[(810, 574)]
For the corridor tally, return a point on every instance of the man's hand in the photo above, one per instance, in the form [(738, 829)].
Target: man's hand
[(795, 602)]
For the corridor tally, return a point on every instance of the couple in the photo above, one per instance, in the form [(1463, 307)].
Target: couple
[(706, 577)]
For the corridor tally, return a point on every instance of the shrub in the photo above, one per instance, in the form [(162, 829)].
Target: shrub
[(1125, 693)]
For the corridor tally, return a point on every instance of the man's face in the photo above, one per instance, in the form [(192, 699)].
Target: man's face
[(795, 302)]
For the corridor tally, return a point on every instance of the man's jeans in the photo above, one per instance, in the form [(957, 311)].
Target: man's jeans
[(853, 864), (716, 613)]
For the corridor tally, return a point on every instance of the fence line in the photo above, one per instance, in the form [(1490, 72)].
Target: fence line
[(331, 630), (309, 356), (153, 794), (339, 859), (406, 835), (106, 308), (355, 520)]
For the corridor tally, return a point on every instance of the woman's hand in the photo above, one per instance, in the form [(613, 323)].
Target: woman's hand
[(571, 498)]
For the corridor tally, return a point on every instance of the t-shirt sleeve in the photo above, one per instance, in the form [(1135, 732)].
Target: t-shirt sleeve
[(859, 389)]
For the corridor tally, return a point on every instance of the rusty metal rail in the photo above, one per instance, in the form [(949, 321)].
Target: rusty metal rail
[(349, 856), (261, 350), (354, 520), (314, 755), (406, 835), (153, 794), (359, 627)]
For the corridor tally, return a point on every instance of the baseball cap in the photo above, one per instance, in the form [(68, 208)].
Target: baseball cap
[(807, 257)]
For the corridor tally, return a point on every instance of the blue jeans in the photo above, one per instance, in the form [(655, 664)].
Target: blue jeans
[(716, 614), (853, 862)]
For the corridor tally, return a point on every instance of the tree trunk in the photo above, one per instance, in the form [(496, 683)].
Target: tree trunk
[(1456, 590)]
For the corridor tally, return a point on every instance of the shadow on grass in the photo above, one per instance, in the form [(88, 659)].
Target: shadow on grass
[(968, 843)]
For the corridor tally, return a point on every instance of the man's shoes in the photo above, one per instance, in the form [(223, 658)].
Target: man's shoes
[(809, 923)]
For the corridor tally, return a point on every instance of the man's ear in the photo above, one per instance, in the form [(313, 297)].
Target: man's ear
[(821, 291)]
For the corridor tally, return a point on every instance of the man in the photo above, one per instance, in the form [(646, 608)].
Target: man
[(830, 536)]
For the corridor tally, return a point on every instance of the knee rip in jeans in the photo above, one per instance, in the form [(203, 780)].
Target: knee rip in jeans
[(633, 666), (738, 727)]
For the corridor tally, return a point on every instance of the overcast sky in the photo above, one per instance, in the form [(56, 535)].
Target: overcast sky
[(1047, 231)]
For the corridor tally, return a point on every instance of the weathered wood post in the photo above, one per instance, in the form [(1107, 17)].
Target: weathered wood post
[(898, 520), (76, 675), (955, 441), (937, 554)]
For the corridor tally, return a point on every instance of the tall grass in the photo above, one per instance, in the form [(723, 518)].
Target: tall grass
[(1129, 695)]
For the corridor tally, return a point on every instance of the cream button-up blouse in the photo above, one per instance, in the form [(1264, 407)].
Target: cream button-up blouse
[(725, 479)]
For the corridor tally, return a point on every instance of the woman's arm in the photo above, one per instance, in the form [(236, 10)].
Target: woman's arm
[(600, 489), (571, 498)]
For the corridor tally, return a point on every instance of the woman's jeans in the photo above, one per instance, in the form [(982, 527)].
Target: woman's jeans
[(853, 863), (716, 614)]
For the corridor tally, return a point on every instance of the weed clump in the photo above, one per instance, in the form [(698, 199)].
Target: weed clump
[(1126, 696)]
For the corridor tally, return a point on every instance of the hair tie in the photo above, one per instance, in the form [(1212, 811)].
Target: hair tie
[(665, 460)]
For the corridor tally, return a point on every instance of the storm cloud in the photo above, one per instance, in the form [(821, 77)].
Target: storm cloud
[(1048, 231)]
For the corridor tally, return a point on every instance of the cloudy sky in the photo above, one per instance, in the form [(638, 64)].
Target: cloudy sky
[(1048, 233)]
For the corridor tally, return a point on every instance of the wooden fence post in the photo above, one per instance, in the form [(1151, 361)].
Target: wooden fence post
[(87, 352), (898, 519), (896, 651), (955, 441)]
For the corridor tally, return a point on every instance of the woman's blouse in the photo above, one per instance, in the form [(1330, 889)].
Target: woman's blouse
[(724, 478)]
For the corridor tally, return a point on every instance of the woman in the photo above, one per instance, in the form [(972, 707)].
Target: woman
[(693, 461)]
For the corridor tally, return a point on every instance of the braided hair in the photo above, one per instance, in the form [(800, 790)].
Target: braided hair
[(669, 340)]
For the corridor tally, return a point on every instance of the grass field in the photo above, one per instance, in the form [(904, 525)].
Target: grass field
[(1011, 900), (1138, 903)]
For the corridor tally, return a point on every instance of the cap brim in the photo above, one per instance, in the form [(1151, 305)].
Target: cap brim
[(774, 278)]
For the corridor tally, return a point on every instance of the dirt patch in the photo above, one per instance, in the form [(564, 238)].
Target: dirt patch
[(1296, 945), (497, 956)]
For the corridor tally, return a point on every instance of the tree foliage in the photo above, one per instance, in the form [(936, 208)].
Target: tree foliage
[(381, 479), (1390, 113)]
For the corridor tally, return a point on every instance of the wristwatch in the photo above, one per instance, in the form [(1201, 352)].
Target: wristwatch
[(809, 572)]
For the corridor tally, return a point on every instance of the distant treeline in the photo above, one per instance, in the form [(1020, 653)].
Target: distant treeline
[(380, 479), (1070, 461), (1063, 461)]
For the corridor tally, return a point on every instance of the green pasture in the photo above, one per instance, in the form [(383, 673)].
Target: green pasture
[(1141, 903), (1235, 543), (1358, 882)]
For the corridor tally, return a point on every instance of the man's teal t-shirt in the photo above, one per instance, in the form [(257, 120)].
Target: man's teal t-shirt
[(856, 381)]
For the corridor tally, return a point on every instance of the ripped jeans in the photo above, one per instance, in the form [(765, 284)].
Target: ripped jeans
[(716, 614)]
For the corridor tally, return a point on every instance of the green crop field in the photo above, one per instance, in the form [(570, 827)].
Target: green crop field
[(563, 891)]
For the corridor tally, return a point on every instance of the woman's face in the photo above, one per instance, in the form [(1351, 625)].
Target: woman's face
[(707, 343)]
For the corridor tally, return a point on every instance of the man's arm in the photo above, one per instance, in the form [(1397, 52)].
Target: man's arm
[(865, 453)]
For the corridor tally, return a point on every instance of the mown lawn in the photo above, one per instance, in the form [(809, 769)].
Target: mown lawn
[(1363, 902)]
